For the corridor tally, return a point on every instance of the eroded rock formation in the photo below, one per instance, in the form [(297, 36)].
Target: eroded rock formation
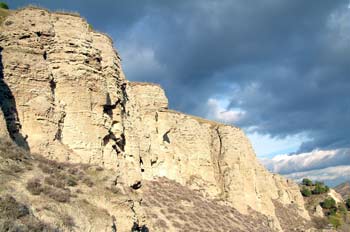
[(64, 95)]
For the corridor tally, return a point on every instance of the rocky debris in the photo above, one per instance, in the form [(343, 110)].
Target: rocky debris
[(67, 98)]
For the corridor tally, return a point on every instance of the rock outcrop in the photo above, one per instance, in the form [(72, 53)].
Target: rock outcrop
[(64, 95)]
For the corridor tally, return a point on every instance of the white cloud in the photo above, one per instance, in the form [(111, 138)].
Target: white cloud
[(331, 176), (317, 159), (217, 111)]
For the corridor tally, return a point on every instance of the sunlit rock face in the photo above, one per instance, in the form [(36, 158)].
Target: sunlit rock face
[(64, 95)]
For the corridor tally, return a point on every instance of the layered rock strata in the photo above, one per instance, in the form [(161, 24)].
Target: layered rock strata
[(64, 95)]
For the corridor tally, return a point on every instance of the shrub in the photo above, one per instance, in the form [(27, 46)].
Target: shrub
[(73, 171), (54, 182), (34, 186), (161, 224), (347, 203), (332, 211), (305, 192), (88, 182), (320, 188), (68, 221), (9, 150), (46, 169), (71, 181), (342, 209), (307, 182), (11, 209), (335, 220), (62, 196), (328, 203), (3, 5)]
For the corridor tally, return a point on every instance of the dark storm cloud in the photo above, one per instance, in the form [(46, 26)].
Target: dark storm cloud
[(285, 63)]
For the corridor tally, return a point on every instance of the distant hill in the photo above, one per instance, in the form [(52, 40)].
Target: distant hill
[(343, 189)]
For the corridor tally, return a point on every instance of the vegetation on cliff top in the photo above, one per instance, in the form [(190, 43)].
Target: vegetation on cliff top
[(333, 213), (309, 188), (3, 5)]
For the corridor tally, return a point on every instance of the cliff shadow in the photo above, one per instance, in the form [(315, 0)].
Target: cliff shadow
[(8, 107)]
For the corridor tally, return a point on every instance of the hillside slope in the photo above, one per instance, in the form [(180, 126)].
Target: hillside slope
[(344, 190)]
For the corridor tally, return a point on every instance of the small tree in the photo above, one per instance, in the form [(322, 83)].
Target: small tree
[(320, 188), (328, 203), (3, 5), (307, 182), (305, 192)]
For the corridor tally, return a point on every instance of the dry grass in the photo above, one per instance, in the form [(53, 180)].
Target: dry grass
[(66, 12), (3, 15), (35, 7), (53, 190), (9, 150), (62, 196), (289, 217), (58, 179), (15, 216), (68, 221), (34, 186), (171, 205)]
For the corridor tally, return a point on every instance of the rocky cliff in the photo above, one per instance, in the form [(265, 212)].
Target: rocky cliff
[(64, 95)]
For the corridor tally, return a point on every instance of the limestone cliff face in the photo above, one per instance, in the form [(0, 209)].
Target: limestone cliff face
[(210, 157), (61, 94), (64, 95)]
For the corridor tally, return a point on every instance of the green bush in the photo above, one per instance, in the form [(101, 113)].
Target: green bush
[(328, 203), (4, 5), (332, 211), (320, 188), (347, 203), (307, 182), (342, 210), (335, 220), (305, 192)]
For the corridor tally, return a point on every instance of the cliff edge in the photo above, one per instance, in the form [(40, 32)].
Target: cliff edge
[(64, 95)]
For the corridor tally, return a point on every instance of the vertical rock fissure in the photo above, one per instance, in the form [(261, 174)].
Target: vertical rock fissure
[(125, 98), (60, 125), (52, 86), (218, 165), (53, 83), (118, 141)]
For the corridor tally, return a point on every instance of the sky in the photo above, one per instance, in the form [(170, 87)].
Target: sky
[(279, 69)]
